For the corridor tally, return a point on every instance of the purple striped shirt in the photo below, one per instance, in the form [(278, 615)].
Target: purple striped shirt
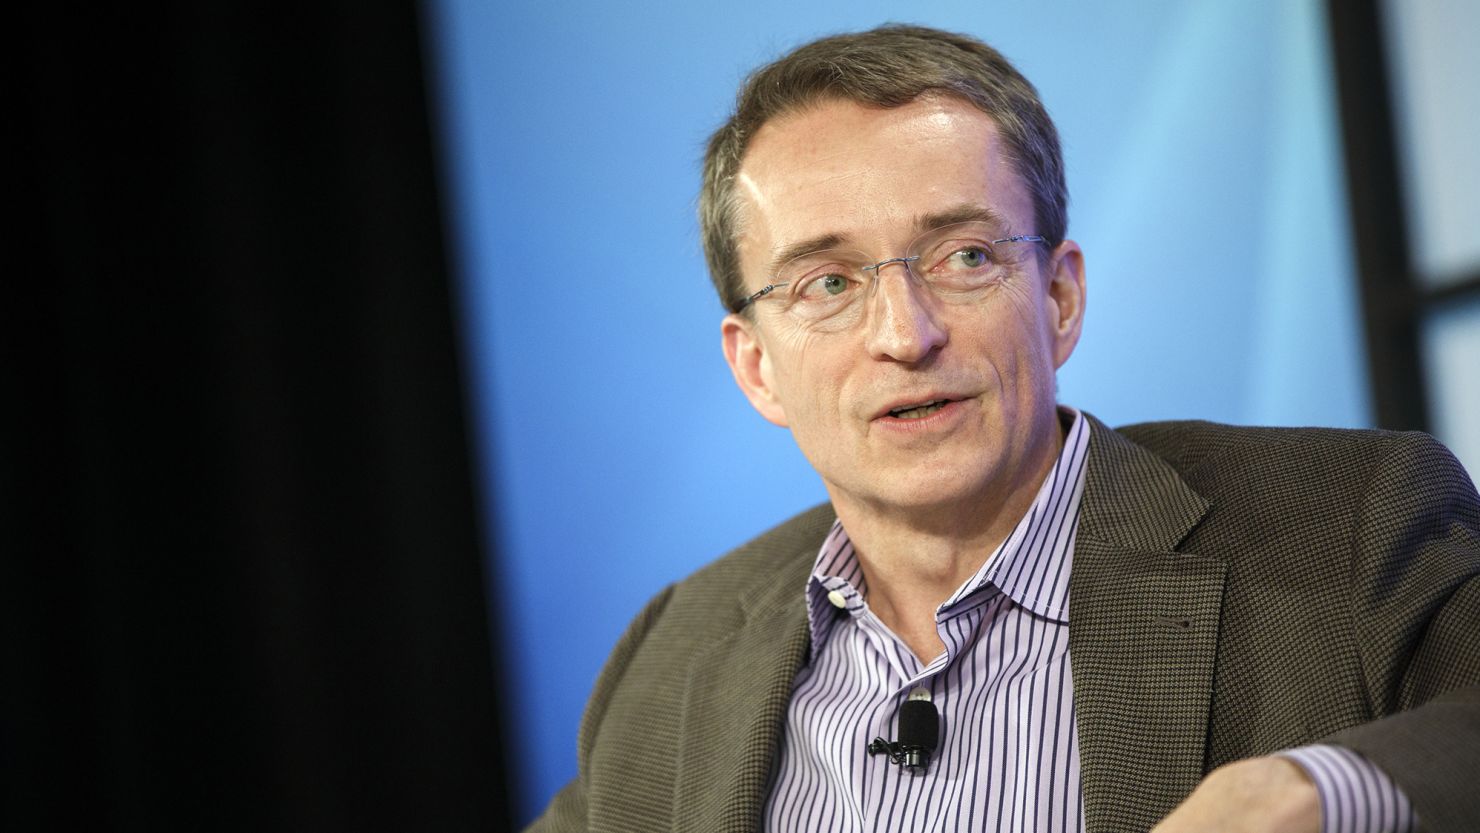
[(1356, 796), (1008, 757)]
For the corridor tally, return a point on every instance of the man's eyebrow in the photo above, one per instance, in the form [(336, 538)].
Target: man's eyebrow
[(965, 213), (799, 248), (961, 214)]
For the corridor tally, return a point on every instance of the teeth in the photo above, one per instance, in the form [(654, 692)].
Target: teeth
[(919, 410)]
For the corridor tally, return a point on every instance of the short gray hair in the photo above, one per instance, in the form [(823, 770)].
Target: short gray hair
[(885, 67)]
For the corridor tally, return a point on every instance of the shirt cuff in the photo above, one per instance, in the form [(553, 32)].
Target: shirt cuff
[(1356, 795)]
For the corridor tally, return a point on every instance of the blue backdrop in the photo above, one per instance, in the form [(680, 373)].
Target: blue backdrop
[(616, 454)]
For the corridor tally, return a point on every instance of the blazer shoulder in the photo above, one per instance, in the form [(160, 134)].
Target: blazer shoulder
[(775, 551), (1193, 444), (764, 576), (1274, 477)]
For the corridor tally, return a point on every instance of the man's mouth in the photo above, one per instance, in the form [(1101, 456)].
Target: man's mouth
[(919, 411)]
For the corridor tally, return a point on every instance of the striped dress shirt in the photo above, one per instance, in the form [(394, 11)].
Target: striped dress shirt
[(1008, 756)]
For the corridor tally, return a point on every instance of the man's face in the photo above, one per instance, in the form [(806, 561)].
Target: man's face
[(874, 179)]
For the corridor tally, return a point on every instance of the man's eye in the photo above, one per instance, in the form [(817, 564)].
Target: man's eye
[(971, 257), (824, 287)]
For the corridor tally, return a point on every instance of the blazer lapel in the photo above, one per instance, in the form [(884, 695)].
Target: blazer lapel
[(737, 694), (1143, 635), (1143, 630)]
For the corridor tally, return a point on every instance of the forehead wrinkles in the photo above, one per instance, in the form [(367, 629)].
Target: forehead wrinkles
[(834, 170), (775, 211), (771, 207)]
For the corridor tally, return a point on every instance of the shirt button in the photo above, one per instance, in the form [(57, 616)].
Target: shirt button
[(838, 599)]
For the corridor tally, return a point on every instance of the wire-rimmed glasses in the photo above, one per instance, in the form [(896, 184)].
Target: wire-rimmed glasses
[(956, 262)]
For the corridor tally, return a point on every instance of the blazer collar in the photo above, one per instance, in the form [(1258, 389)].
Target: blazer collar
[(1142, 638)]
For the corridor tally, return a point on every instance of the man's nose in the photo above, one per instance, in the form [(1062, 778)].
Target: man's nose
[(903, 317)]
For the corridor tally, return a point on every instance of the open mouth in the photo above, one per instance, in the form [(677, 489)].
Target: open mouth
[(919, 411)]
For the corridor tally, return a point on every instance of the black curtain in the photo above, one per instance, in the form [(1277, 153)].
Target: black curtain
[(242, 584)]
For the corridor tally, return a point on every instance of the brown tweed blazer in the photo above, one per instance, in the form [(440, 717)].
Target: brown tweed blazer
[(1235, 591)]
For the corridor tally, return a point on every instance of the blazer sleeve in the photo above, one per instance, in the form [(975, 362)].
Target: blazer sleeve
[(569, 810), (1417, 606)]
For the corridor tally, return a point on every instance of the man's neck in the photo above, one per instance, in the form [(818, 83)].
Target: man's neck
[(914, 559)]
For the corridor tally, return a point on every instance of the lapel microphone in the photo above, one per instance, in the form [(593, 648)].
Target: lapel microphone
[(919, 731)]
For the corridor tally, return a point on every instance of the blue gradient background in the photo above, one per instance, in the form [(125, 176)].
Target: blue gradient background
[(616, 453)]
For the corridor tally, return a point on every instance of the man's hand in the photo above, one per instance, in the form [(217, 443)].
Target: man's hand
[(1257, 794)]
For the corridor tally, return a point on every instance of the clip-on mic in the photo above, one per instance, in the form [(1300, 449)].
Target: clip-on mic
[(919, 731)]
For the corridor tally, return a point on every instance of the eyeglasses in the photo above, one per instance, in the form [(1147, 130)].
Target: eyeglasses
[(956, 262)]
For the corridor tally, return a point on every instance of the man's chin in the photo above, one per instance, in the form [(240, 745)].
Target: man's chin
[(930, 484)]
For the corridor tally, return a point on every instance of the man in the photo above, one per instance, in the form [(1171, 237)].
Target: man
[(1181, 625)]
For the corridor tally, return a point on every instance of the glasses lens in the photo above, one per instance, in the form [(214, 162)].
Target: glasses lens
[(958, 258), (822, 284), (954, 261)]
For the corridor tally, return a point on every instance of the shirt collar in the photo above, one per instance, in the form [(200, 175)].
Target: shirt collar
[(1031, 566)]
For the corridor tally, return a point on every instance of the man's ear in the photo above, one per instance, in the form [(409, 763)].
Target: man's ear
[(1066, 299), (751, 365)]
